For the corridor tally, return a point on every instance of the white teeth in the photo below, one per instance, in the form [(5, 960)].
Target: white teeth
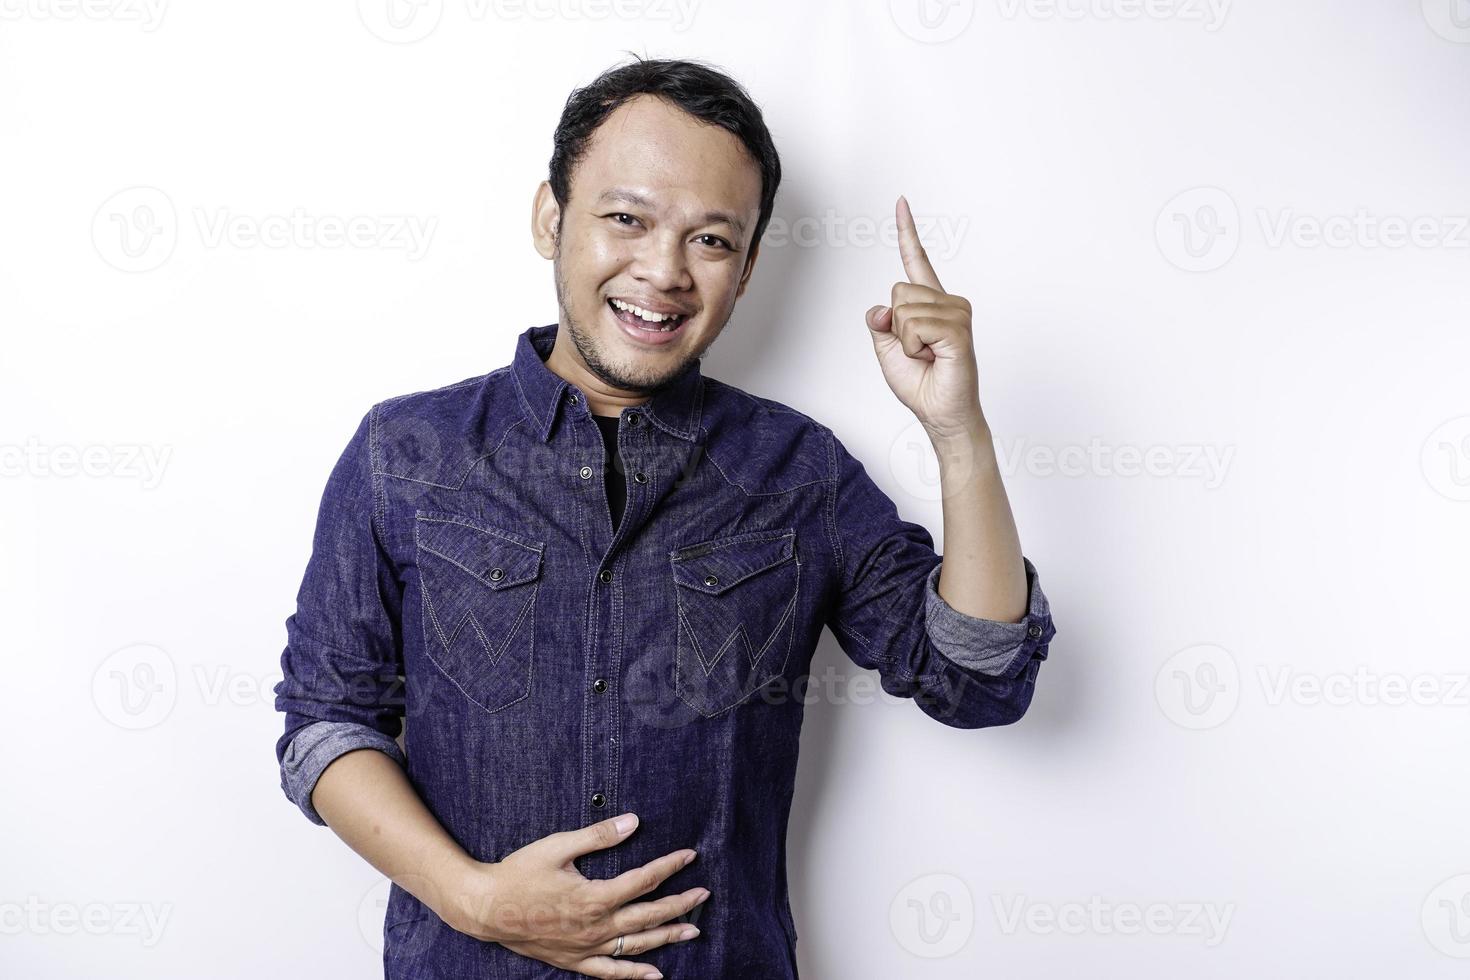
[(644, 314)]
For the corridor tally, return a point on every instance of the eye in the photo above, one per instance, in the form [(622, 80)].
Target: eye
[(717, 242), (622, 214)]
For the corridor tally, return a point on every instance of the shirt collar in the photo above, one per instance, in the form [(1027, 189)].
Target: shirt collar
[(674, 407)]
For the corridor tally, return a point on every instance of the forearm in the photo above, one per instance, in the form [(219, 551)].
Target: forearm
[(367, 800), (982, 574)]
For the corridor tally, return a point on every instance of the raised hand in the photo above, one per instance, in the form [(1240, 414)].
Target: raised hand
[(924, 344)]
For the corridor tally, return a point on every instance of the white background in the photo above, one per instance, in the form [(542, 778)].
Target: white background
[(1256, 703)]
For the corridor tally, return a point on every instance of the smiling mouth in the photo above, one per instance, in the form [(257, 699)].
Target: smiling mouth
[(645, 319)]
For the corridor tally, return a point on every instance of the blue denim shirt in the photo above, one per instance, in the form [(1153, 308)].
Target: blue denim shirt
[(467, 589)]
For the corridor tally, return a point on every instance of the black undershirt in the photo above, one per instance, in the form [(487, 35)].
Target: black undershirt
[(617, 488)]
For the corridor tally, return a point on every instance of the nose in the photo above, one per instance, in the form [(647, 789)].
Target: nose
[(661, 263)]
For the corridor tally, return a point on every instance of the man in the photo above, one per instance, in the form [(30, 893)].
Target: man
[(601, 576)]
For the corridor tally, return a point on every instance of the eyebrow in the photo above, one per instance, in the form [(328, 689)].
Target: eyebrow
[(625, 196)]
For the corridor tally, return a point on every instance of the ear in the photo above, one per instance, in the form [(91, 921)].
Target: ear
[(545, 214), (755, 251)]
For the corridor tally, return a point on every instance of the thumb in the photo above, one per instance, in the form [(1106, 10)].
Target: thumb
[(880, 319)]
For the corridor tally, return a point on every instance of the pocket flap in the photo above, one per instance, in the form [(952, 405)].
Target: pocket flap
[(713, 566), (497, 558)]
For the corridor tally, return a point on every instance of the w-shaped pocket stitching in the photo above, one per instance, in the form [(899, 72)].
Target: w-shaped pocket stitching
[(479, 592), (736, 601)]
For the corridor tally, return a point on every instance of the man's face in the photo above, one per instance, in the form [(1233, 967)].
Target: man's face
[(660, 215)]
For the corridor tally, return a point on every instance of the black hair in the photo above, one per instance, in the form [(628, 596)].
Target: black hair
[(699, 89)]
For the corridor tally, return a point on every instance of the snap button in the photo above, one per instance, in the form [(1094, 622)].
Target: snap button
[(585, 472), (711, 580), (599, 801), (572, 397), (639, 477), (605, 575), (496, 574), (1034, 631), (633, 418), (599, 685)]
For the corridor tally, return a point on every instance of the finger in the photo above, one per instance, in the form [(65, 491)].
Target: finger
[(568, 844), (644, 878), (908, 292), (911, 250), (937, 311), (638, 943), (646, 915), (612, 968)]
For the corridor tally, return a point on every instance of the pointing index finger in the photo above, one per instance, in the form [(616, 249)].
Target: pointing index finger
[(911, 250)]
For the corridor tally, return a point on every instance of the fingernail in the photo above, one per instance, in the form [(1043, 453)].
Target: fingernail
[(688, 932), (653, 976), (704, 896), (687, 858), (625, 823)]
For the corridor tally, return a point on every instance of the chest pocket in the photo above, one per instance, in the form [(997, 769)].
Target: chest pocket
[(479, 590), (736, 600)]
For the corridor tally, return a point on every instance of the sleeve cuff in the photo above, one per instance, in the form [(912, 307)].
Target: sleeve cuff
[(989, 646), (317, 746)]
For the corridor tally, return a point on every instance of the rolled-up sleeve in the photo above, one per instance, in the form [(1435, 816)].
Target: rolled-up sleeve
[(887, 613), (341, 685)]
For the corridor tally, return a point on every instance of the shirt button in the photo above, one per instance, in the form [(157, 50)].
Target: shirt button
[(1033, 631), (605, 575), (599, 685), (496, 574), (711, 580), (572, 397), (585, 472), (599, 801), (640, 477), (632, 418)]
